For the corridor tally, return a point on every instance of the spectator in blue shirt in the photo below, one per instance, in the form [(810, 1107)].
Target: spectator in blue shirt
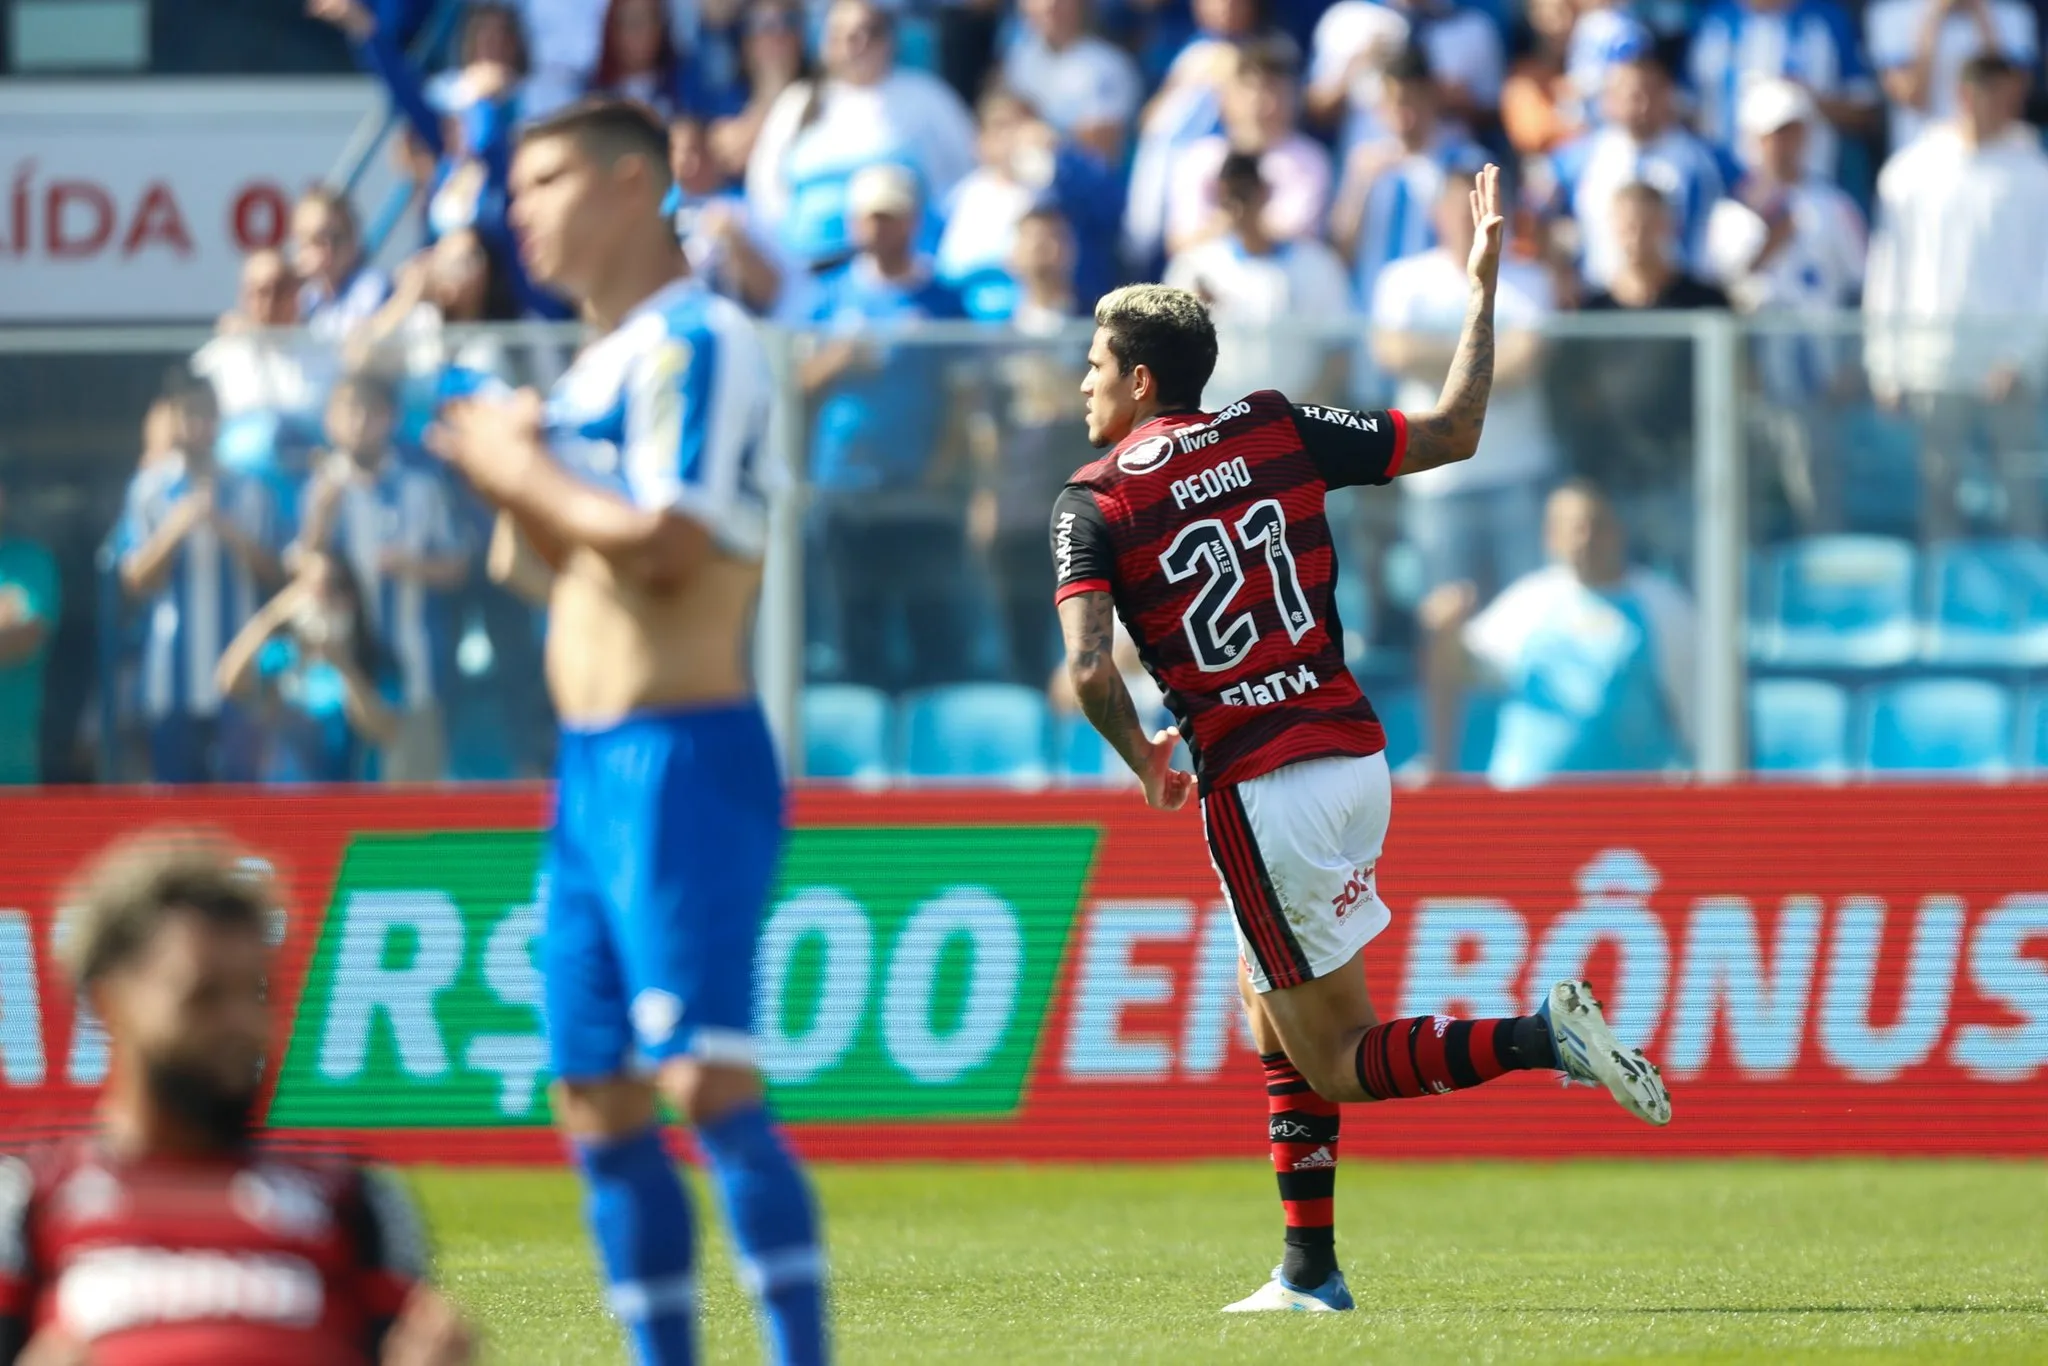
[(311, 672), (337, 287), (196, 544), (1595, 659), (1025, 164), (773, 58), (470, 147), (717, 232), (1639, 141), (888, 540), (393, 525), (1813, 43)]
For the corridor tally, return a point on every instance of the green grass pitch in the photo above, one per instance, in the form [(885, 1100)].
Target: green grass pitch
[(1710, 1262)]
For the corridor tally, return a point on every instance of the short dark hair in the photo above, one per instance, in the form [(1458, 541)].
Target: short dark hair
[(139, 883), (1240, 175), (1409, 66), (1166, 330), (1274, 57), (1988, 68), (608, 130)]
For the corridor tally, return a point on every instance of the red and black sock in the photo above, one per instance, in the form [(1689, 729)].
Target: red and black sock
[(1430, 1054), (1302, 1128)]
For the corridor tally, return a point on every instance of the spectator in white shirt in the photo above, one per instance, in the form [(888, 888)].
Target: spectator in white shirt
[(1791, 241), (1919, 47), (1959, 237), (253, 365), (338, 288), (1739, 43), (1087, 88), (1477, 520), (1640, 142), (1261, 119), (1275, 301), (1354, 41), (862, 111)]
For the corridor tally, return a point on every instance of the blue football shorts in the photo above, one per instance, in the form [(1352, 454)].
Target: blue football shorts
[(667, 830)]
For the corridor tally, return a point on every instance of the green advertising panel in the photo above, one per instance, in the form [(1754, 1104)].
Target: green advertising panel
[(904, 972)]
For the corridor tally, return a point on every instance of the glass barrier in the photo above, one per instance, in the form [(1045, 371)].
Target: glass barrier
[(1899, 579), (1687, 545)]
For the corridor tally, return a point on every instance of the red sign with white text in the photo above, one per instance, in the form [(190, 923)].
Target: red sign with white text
[(1819, 971)]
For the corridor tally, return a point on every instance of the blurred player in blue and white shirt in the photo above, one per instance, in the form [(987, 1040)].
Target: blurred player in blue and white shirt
[(198, 549), (395, 526), (637, 498), (1813, 43), (1639, 141)]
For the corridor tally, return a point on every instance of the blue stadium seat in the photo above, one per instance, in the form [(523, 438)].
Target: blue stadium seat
[(1401, 716), (997, 731), (1941, 725), (1881, 465), (2034, 734), (1840, 602), (1987, 604), (846, 732), (1798, 725), (1084, 756)]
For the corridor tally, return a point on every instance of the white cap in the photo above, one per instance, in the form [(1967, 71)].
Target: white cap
[(881, 189), (1770, 105)]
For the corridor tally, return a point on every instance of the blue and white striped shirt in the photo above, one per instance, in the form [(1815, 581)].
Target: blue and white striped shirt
[(406, 510), (1584, 176), (1812, 42), (671, 410), (1400, 209), (209, 593)]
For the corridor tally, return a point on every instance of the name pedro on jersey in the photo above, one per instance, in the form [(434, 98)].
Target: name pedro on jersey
[(1213, 482)]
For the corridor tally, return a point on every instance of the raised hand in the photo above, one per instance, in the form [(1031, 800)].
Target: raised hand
[(1489, 228), (352, 17), (1166, 787)]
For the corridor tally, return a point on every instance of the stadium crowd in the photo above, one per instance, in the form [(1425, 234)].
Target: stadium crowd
[(306, 591)]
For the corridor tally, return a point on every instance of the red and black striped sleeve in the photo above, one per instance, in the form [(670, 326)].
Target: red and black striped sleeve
[(1083, 557), (1352, 446), (17, 1261)]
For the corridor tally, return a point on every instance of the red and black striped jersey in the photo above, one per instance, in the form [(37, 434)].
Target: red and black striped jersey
[(1207, 530), (242, 1261)]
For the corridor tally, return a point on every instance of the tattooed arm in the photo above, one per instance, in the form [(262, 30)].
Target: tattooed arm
[(1449, 432), (1088, 620)]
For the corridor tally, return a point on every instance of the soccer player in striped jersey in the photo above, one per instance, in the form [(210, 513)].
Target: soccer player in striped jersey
[(1205, 533), (642, 487)]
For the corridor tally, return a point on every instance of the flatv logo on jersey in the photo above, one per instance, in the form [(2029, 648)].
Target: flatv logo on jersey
[(113, 1289), (1275, 687), (1340, 417), (1149, 454)]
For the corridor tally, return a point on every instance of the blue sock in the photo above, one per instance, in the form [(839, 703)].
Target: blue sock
[(774, 1227), (640, 1218)]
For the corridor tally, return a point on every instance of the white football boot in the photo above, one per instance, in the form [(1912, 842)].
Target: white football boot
[(1588, 1052), (1331, 1297)]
